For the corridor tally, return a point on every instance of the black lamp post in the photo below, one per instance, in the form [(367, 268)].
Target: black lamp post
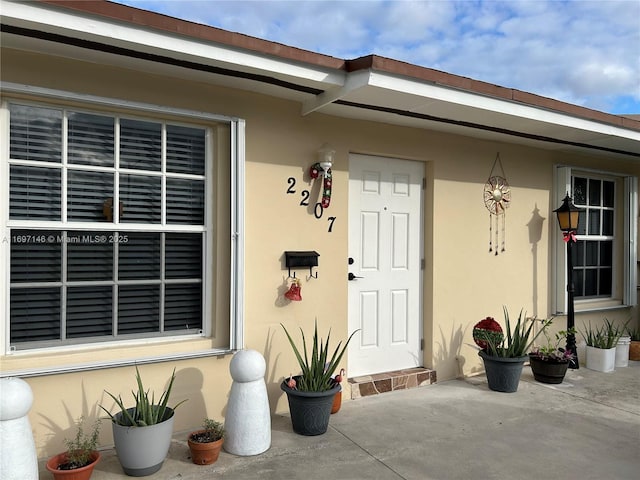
[(568, 219)]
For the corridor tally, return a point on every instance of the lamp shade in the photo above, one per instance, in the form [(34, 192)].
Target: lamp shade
[(568, 215), (325, 156)]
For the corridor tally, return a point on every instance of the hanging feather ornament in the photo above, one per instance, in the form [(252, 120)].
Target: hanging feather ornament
[(497, 198)]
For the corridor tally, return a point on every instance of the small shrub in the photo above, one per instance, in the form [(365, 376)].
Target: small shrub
[(213, 431), (79, 448)]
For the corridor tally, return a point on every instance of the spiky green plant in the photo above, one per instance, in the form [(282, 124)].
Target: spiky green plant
[(606, 336), (317, 367), (634, 333), (517, 341), (146, 411)]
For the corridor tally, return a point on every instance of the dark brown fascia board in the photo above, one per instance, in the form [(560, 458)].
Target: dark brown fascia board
[(173, 25)]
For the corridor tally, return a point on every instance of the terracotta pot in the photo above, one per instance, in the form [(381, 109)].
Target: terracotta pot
[(337, 402), (82, 473), (204, 453), (634, 350)]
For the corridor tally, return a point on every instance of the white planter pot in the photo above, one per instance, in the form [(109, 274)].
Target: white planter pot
[(622, 351), (601, 359)]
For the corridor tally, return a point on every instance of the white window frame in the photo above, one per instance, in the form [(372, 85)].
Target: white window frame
[(237, 173), (629, 211)]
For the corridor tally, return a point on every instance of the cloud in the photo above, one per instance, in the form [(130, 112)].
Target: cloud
[(585, 52)]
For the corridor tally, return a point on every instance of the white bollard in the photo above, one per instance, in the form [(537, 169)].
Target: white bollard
[(248, 421), (18, 460)]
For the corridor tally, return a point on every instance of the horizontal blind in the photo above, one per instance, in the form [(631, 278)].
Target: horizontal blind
[(87, 193), (140, 199), (35, 193), (183, 306), (138, 308), (89, 256), (35, 314), (36, 256), (185, 150), (89, 311), (186, 205), (139, 256), (35, 133), (91, 139), (140, 145), (183, 255)]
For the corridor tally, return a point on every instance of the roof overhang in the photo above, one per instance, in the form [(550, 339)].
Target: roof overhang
[(371, 88)]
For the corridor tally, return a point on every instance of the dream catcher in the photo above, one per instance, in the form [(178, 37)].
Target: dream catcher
[(497, 198)]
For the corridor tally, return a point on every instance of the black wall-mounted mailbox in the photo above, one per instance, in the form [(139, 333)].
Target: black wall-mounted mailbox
[(300, 260)]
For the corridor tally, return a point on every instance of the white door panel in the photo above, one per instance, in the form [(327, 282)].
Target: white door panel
[(385, 243)]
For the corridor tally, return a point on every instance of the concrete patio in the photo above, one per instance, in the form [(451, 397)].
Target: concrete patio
[(586, 428)]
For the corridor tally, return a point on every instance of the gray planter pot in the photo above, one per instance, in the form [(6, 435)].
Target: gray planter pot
[(503, 373), (310, 411), (142, 450)]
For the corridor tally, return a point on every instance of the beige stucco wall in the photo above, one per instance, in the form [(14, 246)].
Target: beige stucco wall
[(463, 283)]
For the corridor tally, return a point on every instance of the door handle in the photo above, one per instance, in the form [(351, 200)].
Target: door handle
[(353, 277)]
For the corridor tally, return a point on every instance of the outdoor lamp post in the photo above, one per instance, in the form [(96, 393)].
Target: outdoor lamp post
[(568, 219)]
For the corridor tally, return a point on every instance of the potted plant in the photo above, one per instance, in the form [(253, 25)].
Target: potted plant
[(142, 434), (81, 457), (205, 444), (549, 363), (601, 346), (337, 400), (634, 345), (504, 355), (310, 394)]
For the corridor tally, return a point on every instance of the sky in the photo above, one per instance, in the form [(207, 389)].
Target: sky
[(585, 52)]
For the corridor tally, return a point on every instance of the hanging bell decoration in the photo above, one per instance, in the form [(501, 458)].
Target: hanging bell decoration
[(293, 293)]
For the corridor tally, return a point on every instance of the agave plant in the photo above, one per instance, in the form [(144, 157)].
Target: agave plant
[(317, 367), (517, 341), (605, 336), (146, 411)]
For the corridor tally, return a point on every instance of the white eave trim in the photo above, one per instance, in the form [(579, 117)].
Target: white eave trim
[(354, 81), (45, 18), (495, 105)]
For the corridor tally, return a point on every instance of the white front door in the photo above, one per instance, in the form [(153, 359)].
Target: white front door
[(385, 256)]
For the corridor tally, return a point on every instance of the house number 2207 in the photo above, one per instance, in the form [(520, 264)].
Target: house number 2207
[(305, 196)]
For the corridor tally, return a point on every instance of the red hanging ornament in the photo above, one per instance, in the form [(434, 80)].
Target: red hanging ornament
[(293, 293), (487, 330)]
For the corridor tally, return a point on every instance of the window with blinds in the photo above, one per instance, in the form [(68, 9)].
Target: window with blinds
[(108, 228), (593, 255)]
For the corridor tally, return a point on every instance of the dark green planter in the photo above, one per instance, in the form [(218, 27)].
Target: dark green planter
[(310, 411), (503, 373), (548, 371)]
